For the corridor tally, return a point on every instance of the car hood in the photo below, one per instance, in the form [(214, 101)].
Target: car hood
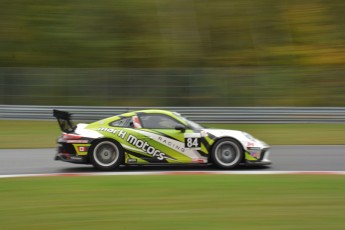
[(244, 138), (223, 132)]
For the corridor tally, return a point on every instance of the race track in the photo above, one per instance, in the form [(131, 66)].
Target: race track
[(284, 158)]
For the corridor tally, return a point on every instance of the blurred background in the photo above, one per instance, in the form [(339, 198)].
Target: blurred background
[(172, 53)]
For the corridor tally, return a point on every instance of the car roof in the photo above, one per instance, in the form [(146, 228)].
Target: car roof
[(138, 112), (159, 111)]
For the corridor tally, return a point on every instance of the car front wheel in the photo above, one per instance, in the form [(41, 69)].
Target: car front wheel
[(227, 153)]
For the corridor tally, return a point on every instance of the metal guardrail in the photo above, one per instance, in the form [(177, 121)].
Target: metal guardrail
[(198, 114)]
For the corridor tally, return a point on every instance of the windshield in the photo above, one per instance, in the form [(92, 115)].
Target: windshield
[(192, 124)]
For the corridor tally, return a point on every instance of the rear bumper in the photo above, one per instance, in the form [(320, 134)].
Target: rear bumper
[(71, 158), (68, 152)]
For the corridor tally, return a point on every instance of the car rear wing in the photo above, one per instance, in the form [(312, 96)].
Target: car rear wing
[(64, 120)]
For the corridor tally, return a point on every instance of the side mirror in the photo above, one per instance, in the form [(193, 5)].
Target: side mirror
[(182, 128)]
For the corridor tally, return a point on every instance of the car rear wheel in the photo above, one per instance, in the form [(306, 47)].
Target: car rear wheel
[(227, 153), (106, 155)]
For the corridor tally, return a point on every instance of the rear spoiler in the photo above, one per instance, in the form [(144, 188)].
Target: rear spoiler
[(64, 120)]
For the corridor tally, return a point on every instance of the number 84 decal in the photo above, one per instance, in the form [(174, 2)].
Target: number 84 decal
[(192, 140)]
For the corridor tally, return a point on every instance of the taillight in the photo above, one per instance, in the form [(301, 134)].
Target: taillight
[(68, 136)]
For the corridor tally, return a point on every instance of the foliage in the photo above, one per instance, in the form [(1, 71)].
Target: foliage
[(266, 52)]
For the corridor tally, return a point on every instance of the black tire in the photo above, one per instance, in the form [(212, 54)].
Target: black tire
[(106, 155), (227, 153)]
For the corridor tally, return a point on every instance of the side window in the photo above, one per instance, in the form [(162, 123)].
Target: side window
[(124, 122), (158, 121)]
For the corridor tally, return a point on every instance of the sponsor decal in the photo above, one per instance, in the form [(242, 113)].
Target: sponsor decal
[(254, 152), (76, 158), (143, 145), (192, 140), (171, 143), (82, 149), (132, 161), (119, 133), (250, 144), (140, 144)]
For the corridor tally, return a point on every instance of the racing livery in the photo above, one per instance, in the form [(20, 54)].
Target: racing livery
[(154, 137)]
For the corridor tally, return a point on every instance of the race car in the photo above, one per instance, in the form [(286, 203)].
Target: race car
[(156, 137)]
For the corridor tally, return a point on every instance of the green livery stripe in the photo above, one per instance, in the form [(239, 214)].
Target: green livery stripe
[(248, 157), (212, 137), (145, 158), (137, 159), (205, 147), (132, 149), (165, 135)]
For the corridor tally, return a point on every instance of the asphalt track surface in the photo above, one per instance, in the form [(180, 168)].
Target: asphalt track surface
[(284, 158)]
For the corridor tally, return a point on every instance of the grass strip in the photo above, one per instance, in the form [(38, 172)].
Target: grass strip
[(42, 134), (174, 202)]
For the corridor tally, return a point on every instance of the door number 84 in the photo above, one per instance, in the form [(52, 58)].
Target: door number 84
[(192, 142)]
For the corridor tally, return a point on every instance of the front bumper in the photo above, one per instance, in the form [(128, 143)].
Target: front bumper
[(258, 163), (258, 156)]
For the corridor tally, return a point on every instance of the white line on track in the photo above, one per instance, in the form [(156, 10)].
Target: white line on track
[(179, 173)]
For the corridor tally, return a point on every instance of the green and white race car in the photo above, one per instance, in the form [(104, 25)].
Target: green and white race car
[(154, 137)]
